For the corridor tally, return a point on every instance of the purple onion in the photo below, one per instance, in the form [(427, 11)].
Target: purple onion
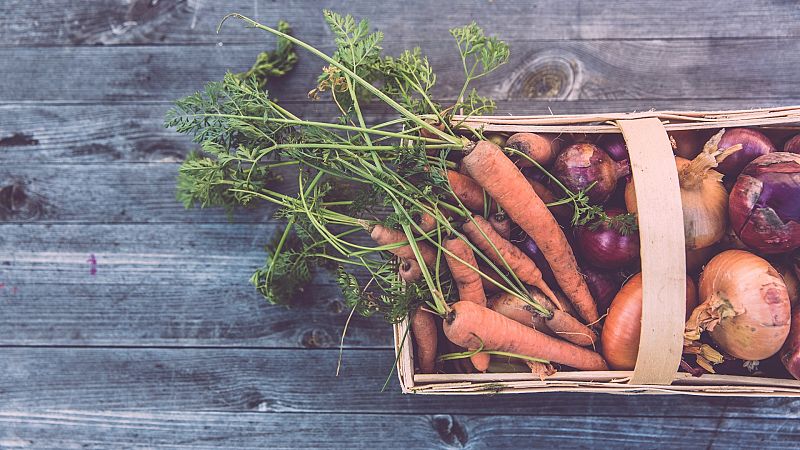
[(764, 204), (792, 145), (614, 145), (533, 251), (754, 144), (580, 165), (603, 286), (605, 247)]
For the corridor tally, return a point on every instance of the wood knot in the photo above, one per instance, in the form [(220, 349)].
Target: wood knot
[(316, 338), (546, 76), (16, 203), (451, 431)]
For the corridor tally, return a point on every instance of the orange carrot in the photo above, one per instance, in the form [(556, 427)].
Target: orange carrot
[(480, 361), (423, 328), (468, 191), (470, 325), (425, 221), (468, 281), (387, 236), (515, 309), (519, 263), (501, 223), (504, 182), (537, 147), (409, 270), (561, 212)]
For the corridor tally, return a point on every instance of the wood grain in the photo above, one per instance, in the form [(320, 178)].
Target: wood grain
[(303, 381), (119, 22), (556, 70), (68, 429)]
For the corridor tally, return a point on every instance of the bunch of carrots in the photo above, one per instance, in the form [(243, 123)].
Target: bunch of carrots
[(473, 235)]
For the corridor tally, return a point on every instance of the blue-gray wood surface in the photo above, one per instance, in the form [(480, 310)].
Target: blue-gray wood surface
[(126, 321)]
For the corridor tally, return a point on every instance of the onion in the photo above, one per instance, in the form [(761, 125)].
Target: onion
[(533, 251), (745, 306), (688, 143), (703, 197), (614, 145), (765, 203), (603, 286), (790, 353), (792, 284), (605, 246), (754, 144), (620, 337), (562, 213), (581, 165), (696, 259), (792, 145)]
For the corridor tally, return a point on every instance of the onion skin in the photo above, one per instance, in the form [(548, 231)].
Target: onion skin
[(792, 284), (765, 204), (696, 259), (745, 306), (603, 285), (790, 353), (623, 325), (614, 145), (689, 143), (580, 165), (605, 247), (792, 145), (754, 144), (705, 205)]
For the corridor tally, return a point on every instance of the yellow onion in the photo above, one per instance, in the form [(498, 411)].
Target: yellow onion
[(703, 196), (623, 325), (744, 306)]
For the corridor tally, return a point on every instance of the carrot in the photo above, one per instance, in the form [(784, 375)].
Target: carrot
[(504, 182), (468, 191), (515, 309), (425, 221), (500, 222), (480, 361), (561, 212), (519, 263), (488, 287), (470, 325), (468, 281), (409, 270), (386, 236), (423, 328), (537, 147)]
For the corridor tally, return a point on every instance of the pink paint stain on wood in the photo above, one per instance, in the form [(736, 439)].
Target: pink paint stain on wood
[(92, 264)]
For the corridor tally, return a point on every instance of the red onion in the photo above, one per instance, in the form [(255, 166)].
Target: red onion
[(604, 246), (754, 144), (614, 145), (582, 164), (790, 353), (792, 145), (764, 204), (603, 285), (530, 248)]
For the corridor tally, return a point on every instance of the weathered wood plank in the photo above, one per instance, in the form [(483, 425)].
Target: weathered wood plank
[(132, 132), (300, 381), (112, 22), (184, 314), (73, 429), (566, 70)]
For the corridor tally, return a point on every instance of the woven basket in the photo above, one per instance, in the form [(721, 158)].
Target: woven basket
[(663, 264)]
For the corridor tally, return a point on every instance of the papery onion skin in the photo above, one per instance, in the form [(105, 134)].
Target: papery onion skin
[(752, 297), (605, 247), (689, 143), (614, 145), (765, 204), (580, 165), (754, 144), (790, 352), (705, 207), (623, 325)]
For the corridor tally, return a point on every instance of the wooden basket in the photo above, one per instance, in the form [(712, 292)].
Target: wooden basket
[(662, 256)]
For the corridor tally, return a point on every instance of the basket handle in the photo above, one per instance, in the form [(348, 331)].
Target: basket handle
[(662, 250)]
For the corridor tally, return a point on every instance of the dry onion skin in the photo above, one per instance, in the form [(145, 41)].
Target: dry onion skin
[(623, 324), (745, 306)]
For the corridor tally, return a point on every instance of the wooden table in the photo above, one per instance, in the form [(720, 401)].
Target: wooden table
[(126, 320)]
